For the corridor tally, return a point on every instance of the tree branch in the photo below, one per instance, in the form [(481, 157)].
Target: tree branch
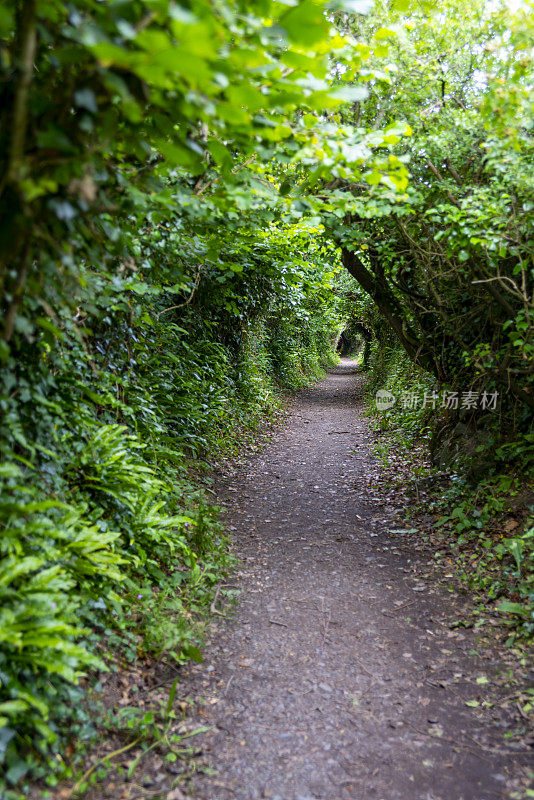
[(440, 179), (388, 304), (26, 43)]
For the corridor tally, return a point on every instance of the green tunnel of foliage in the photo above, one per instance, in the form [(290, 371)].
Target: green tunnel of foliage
[(175, 180)]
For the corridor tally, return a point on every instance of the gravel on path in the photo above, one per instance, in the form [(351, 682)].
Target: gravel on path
[(337, 676)]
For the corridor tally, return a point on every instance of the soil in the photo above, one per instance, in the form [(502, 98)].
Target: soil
[(338, 674)]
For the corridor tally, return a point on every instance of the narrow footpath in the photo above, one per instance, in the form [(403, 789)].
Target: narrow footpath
[(337, 675)]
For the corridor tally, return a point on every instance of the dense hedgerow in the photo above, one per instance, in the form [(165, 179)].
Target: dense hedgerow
[(106, 542), (482, 505)]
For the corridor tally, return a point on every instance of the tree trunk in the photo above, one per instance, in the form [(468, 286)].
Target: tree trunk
[(391, 309)]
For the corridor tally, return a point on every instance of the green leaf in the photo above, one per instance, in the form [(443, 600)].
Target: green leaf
[(6, 21), (305, 23), (179, 155), (172, 695), (385, 33), (192, 652), (17, 771), (13, 707), (512, 608), (285, 188)]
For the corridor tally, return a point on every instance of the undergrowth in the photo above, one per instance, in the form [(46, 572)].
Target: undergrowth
[(481, 495), (111, 548)]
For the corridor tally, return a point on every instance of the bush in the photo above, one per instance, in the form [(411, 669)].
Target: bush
[(109, 549)]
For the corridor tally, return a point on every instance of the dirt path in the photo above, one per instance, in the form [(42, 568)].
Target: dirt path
[(338, 675)]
